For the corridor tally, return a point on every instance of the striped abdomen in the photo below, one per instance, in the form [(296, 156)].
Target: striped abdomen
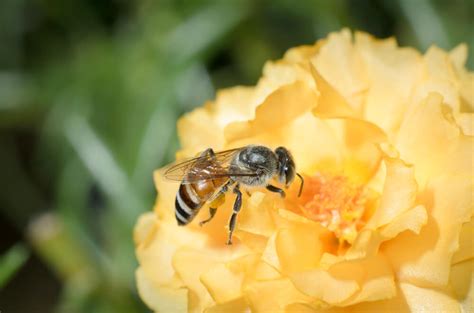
[(192, 196)]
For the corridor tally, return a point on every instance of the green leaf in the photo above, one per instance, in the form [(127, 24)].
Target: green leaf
[(11, 261)]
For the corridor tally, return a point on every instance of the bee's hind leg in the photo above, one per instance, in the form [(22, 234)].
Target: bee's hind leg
[(212, 212), (233, 218), (218, 201), (215, 203)]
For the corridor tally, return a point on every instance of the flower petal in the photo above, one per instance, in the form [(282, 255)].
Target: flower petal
[(302, 54), (331, 103), (311, 140), (304, 308), (312, 143), (156, 247), (199, 130), (462, 281), (161, 299), (466, 244), (233, 104), (273, 295), (467, 92), (377, 288), (203, 127), (466, 122), (252, 241), (399, 193), (440, 76), (412, 219), (277, 74), (235, 306), (223, 284), (279, 108), (458, 55), (377, 283), (360, 139), (298, 248), (388, 95), (428, 300), (264, 271), (270, 255), (368, 241), (190, 274), (322, 285), (443, 159), (226, 281), (339, 62), (410, 298), (430, 139), (365, 245), (164, 205), (298, 245), (256, 218), (425, 259), (144, 229)]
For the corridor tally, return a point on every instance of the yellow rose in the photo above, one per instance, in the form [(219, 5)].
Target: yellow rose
[(383, 137)]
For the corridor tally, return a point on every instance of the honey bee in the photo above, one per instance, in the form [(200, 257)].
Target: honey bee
[(208, 177)]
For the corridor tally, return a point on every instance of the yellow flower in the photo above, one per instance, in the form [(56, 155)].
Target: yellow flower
[(383, 136)]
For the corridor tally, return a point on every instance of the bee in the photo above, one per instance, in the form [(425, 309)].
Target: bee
[(207, 178)]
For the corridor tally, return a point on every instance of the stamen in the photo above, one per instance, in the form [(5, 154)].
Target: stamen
[(336, 203)]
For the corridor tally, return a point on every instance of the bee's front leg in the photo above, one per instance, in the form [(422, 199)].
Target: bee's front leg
[(277, 190), (233, 218)]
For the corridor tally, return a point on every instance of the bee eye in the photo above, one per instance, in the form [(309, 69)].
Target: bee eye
[(289, 174)]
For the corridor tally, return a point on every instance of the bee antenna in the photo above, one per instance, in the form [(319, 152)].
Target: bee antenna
[(301, 185)]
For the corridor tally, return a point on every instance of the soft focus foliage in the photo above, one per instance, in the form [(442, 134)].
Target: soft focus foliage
[(383, 135), (90, 92)]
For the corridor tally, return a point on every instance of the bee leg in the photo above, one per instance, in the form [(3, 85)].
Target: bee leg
[(233, 218), (216, 202), (277, 190), (212, 212)]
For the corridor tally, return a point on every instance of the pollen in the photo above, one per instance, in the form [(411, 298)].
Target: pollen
[(337, 204)]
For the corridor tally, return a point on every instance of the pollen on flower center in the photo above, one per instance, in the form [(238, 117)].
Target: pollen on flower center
[(337, 203)]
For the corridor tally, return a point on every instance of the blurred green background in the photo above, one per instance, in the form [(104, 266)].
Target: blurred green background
[(90, 92)]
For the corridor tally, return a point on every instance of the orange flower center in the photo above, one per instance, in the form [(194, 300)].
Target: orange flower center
[(336, 203)]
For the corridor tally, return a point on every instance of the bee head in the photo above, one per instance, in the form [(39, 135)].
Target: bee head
[(286, 166)]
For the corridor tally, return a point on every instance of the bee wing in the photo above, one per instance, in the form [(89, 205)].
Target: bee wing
[(204, 167)]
